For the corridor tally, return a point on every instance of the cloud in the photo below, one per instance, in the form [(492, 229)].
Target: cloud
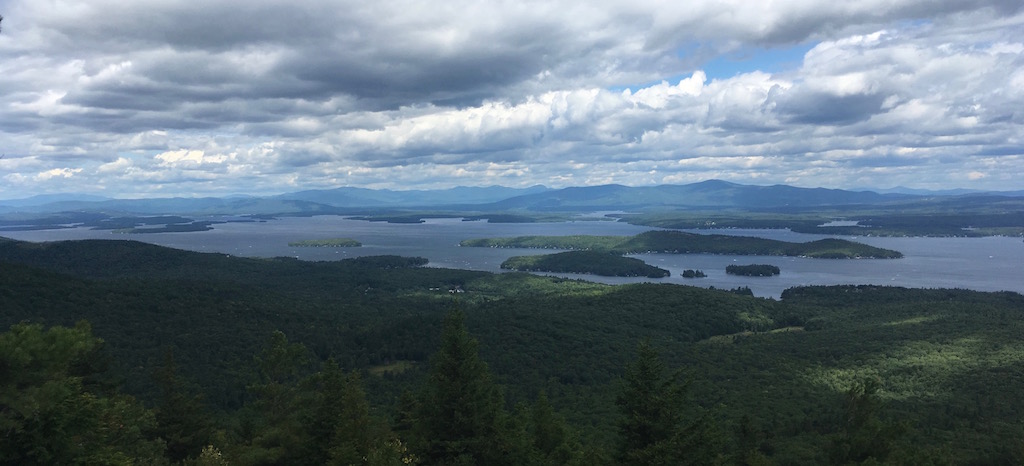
[(261, 96)]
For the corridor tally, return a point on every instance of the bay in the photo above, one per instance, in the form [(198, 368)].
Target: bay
[(985, 264)]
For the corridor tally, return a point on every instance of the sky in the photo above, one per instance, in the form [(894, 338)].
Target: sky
[(159, 98)]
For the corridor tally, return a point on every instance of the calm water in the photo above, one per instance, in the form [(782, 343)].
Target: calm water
[(987, 264)]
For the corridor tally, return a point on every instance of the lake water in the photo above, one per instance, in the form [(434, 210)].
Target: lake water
[(986, 264)]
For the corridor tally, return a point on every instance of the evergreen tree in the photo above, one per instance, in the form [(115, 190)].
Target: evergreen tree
[(654, 427), (181, 417), (272, 432), (47, 414), (356, 433), (461, 409), (404, 424), (342, 430), (749, 443), (552, 436), (864, 437)]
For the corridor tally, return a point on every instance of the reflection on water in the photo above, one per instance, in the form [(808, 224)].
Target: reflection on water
[(987, 264)]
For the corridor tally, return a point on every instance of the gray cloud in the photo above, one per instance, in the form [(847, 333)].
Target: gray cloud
[(261, 96), (829, 109)]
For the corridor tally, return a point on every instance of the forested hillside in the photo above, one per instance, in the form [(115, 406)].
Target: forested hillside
[(249, 354)]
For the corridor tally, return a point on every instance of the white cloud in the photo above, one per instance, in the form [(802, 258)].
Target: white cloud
[(57, 173), (259, 96)]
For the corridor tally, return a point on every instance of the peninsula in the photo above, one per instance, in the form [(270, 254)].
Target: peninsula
[(590, 262), (326, 243), (679, 242)]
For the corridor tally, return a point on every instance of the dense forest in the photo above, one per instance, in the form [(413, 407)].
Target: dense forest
[(753, 270), (119, 352), (679, 242), (589, 262)]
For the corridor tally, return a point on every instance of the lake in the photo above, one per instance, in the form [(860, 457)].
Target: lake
[(985, 264)]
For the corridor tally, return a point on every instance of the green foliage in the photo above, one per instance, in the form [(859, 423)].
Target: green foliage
[(657, 426), (273, 426), (593, 262), (753, 270), (678, 242), (460, 408), (690, 273), (47, 416), (581, 242), (950, 360), (210, 456), (928, 224), (341, 428), (687, 220), (682, 242), (181, 417), (863, 436), (553, 439)]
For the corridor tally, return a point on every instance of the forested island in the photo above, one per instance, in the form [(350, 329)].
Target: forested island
[(968, 216), (326, 243), (753, 270), (154, 224), (589, 262), (119, 352), (678, 242)]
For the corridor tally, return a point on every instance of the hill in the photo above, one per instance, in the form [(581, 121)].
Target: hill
[(948, 363)]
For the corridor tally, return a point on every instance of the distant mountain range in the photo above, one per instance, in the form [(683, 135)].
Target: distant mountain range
[(713, 194), (46, 199), (706, 194), (940, 192), (362, 198)]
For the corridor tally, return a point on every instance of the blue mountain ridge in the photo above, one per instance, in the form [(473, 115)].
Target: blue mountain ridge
[(705, 194)]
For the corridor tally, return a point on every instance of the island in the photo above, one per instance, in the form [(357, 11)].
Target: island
[(326, 243), (153, 224), (679, 242), (690, 273), (168, 228), (590, 262), (753, 270)]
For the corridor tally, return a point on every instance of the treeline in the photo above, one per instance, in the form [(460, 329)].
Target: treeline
[(688, 243), (928, 224), (678, 242), (753, 270), (974, 215), (590, 262), (98, 221), (690, 273)]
